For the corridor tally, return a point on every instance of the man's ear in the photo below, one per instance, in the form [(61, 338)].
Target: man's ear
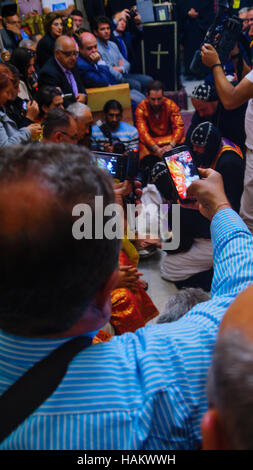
[(102, 297), (213, 433), (58, 137), (44, 109)]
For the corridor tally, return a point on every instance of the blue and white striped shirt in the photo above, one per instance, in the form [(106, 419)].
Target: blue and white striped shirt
[(138, 391), (126, 133)]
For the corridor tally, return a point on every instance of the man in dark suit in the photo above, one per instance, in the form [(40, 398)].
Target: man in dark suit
[(61, 71), (92, 69)]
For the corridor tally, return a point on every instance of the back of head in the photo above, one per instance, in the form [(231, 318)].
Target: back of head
[(28, 44), (78, 110), (230, 388), (209, 137), (20, 58), (181, 302), (57, 119), (48, 277)]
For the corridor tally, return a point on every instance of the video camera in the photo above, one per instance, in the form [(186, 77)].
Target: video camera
[(223, 34), (118, 146)]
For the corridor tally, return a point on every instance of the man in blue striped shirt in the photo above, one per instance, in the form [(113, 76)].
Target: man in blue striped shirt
[(121, 132), (138, 391)]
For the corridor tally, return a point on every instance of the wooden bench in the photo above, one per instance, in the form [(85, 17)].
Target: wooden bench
[(97, 97)]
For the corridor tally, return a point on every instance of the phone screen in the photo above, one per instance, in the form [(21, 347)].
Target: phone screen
[(183, 171), (108, 164)]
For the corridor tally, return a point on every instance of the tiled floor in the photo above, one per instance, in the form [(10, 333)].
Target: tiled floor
[(159, 290)]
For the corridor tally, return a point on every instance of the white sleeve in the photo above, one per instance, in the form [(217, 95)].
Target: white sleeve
[(249, 76)]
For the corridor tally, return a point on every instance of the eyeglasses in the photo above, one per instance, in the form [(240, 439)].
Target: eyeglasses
[(69, 53), (72, 137)]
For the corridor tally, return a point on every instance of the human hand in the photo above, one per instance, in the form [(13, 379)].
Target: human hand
[(32, 110), (35, 130), (137, 18), (118, 69), (14, 29), (81, 98), (209, 194), (209, 55), (124, 188), (95, 57), (128, 277), (121, 62), (108, 147), (193, 13)]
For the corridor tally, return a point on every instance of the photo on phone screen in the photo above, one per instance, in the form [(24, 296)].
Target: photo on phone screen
[(182, 170), (110, 164)]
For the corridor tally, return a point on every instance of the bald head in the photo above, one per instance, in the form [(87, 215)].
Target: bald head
[(228, 424), (88, 47), (66, 51), (239, 315)]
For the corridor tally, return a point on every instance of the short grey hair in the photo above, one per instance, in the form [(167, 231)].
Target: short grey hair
[(77, 110), (181, 302), (243, 10), (27, 43), (230, 387)]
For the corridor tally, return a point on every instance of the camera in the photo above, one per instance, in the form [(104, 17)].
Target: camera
[(118, 146), (120, 167), (222, 35), (132, 14)]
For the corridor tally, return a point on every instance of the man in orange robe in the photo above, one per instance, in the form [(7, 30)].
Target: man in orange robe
[(159, 123)]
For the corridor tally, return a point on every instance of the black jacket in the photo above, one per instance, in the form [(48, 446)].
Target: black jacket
[(45, 49), (52, 74)]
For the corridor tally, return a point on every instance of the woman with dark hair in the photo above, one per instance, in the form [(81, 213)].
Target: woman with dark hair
[(54, 28), (23, 59), (48, 97), (9, 133), (22, 112)]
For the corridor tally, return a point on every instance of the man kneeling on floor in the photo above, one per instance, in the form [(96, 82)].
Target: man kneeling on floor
[(146, 389)]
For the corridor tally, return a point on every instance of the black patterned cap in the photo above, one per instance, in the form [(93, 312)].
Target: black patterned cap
[(205, 92), (201, 134)]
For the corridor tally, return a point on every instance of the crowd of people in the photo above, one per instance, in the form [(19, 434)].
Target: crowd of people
[(76, 343)]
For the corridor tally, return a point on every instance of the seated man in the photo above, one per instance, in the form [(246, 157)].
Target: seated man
[(192, 265), (11, 33), (124, 137), (129, 43), (110, 53), (59, 126), (84, 119), (159, 124), (92, 69), (148, 389), (209, 108), (61, 71)]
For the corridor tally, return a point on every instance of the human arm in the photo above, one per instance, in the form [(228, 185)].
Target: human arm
[(230, 96), (143, 127), (20, 136)]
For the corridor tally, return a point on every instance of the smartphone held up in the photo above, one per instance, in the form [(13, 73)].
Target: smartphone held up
[(182, 171)]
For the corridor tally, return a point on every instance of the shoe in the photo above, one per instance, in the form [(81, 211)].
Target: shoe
[(147, 252)]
